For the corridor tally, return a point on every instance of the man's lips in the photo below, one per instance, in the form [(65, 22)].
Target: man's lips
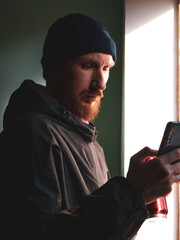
[(89, 98)]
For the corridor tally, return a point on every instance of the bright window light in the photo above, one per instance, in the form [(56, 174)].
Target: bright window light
[(150, 101)]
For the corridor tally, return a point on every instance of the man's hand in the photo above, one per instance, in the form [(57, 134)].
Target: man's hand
[(154, 178)]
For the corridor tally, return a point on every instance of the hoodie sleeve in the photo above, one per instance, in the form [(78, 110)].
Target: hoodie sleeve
[(114, 211), (33, 199)]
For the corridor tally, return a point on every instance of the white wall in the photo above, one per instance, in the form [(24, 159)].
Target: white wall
[(150, 88)]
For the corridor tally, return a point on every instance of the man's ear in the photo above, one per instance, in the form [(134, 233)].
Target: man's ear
[(55, 75)]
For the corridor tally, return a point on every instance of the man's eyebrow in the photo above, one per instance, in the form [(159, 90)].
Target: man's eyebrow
[(95, 61), (89, 59)]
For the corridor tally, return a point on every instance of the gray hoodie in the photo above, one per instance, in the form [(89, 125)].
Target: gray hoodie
[(57, 181)]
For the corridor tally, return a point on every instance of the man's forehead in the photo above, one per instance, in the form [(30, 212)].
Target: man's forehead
[(97, 57)]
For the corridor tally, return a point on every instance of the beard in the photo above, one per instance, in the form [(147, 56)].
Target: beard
[(85, 106)]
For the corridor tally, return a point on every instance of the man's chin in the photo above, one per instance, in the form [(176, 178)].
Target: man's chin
[(85, 110)]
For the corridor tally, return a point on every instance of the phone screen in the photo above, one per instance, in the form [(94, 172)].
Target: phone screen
[(174, 136)]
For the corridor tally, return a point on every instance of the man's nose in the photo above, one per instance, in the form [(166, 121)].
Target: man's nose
[(99, 80)]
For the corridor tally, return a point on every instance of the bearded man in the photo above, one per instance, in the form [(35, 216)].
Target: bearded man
[(57, 184)]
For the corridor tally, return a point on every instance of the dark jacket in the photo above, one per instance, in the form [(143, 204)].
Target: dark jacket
[(56, 182)]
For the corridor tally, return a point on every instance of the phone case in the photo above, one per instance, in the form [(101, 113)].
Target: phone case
[(171, 138)]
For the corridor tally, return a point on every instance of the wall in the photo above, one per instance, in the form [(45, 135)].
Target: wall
[(23, 27)]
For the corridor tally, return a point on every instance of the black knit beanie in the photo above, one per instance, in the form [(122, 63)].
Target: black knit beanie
[(72, 36)]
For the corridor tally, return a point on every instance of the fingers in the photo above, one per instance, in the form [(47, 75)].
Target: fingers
[(168, 167), (154, 178), (175, 168), (176, 178), (171, 157)]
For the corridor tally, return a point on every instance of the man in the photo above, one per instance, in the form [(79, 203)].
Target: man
[(57, 184)]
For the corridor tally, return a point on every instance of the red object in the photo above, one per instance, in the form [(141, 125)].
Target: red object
[(158, 208)]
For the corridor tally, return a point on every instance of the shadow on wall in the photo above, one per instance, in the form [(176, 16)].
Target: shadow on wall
[(140, 12)]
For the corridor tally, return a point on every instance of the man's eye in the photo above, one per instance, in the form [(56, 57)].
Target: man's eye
[(86, 66)]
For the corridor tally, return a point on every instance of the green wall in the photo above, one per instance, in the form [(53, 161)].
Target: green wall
[(24, 25)]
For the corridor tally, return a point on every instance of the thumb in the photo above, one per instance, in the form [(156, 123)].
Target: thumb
[(144, 155)]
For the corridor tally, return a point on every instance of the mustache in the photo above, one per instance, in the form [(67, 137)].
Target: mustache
[(93, 92)]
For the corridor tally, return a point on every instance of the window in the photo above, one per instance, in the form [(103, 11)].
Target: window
[(151, 101)]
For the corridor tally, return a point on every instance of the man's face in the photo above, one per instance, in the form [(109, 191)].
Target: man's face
[(81, 83)]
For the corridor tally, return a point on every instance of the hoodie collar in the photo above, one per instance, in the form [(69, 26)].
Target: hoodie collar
[(31, 97)]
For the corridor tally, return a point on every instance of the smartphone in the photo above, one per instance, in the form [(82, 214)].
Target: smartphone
[(171, 138)]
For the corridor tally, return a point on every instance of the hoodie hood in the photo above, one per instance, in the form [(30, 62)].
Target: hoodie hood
[(31, 97)]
